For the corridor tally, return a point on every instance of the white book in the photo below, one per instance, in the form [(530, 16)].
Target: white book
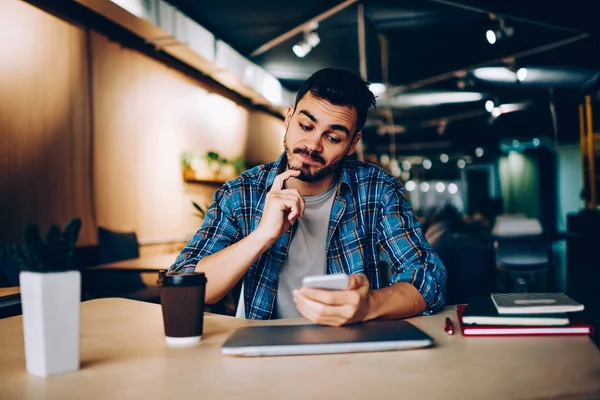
[(534, 303)]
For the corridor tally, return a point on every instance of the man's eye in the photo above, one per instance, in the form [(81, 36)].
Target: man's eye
[(304, 127), (333, 139)]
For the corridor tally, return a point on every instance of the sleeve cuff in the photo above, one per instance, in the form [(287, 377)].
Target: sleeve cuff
[(426, 284)]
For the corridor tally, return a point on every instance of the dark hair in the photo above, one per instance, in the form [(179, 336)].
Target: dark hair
[(342, 88)]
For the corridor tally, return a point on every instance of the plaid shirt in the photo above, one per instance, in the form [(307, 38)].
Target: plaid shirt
[(370, 221)]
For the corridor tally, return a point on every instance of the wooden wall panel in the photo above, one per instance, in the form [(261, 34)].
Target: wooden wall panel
[(265, 138), (45, 138), (107, 152), (145, 115)]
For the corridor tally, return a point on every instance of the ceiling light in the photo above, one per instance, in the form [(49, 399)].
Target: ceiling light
[(479, 152), (426, 164), (424, 187), (503, 31), (313, 39), (496, 112), (377, 88), (452, 188), (512, 107), (489, 105), (522, 74), (490, 35), (406, 165), (444, 158), (535, 142), (301, 49), (461, 163), (495, 74), (434, 98), (410, 186), (310, 40), (440, 187), (515, 143)]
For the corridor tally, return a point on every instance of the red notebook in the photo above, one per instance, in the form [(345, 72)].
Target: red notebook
[(576, 327)]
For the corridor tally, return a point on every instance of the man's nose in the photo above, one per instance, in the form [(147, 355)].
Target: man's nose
[(313, 142)]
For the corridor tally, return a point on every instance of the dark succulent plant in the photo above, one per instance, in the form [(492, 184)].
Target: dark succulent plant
[(54, 254)]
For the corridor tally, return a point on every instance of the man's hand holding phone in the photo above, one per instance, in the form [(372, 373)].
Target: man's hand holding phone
[(334, 300)]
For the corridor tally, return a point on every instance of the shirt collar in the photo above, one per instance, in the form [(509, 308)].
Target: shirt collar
[(280, 165)]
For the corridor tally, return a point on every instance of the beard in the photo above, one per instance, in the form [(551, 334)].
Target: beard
[(306, 174)]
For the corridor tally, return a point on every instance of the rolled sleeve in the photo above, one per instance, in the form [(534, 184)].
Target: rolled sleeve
[(218, 230), (411, 258)]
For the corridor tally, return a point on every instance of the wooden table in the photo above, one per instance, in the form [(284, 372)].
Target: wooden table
[(142, 264), (7, 291), (123, 356)]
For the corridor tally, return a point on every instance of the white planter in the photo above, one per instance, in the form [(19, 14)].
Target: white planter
[(51, 304)]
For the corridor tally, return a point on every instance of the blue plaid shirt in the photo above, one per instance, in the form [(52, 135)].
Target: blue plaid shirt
[(370, 221)]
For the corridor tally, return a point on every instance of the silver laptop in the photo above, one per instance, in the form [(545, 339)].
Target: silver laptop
[(319, 339)]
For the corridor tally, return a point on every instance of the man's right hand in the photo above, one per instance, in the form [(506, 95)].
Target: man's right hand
[(282, 207)]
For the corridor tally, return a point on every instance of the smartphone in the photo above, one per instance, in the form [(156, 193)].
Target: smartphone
[(331, 282)]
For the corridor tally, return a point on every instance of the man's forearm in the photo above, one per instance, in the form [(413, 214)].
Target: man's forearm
[(226, 267), (400, 300)]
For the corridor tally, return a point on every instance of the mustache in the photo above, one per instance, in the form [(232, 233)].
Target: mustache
[(312, 154)]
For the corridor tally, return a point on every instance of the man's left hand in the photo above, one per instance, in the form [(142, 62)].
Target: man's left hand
[(335, 307)]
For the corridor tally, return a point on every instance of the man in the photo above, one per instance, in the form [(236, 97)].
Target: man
[(311, 212)]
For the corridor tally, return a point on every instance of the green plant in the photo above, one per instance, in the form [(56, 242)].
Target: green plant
[(201, 211), (239, 164), (213, 157), (54, 254), (186, 160)]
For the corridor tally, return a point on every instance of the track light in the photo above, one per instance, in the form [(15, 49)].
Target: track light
[(501, 32), (310, 40), (301, 49)]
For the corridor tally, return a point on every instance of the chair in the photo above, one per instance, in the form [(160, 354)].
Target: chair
[(9, 276), (523, 256), (9, 273), (468, 261), (118, 246)]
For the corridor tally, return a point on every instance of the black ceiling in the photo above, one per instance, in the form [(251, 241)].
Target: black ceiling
[(431, 39)]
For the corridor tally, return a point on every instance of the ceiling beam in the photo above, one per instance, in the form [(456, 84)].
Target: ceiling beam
[(301, 28), (573, 17), (466, 7), (500, 60)]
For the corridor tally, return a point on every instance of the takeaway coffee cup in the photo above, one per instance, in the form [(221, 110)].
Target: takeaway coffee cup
[(182, 301)]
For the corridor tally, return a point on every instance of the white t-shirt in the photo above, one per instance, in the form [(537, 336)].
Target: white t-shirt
[(306, 255)]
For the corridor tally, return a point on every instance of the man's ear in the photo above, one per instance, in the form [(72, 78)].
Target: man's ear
[(355, 140), (288, 116)]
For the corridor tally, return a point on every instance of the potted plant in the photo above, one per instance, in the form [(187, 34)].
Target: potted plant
[(187, 169), (50, 298)]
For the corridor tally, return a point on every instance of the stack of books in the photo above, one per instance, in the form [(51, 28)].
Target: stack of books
[(522, 314)]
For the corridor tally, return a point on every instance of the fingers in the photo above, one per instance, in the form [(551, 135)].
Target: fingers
[(335, 307), (290, 200), (331, 297), (356, 281), (321, 313), (281, 178)]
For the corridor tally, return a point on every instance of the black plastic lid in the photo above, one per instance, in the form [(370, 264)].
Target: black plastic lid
[(184, 279)]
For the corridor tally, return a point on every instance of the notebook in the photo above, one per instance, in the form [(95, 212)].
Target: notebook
[(529, 303), (319, 339), (482, 311), (576, 327)]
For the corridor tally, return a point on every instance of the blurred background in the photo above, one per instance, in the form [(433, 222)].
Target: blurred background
[(129, 114)]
